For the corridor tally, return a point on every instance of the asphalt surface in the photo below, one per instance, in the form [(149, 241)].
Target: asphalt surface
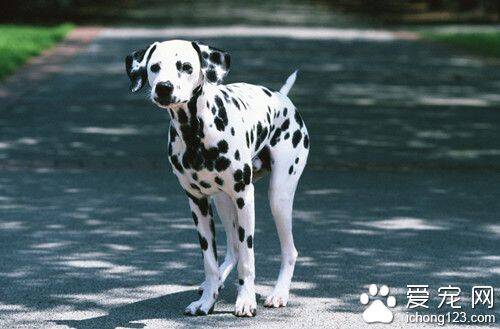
[(402, 186)]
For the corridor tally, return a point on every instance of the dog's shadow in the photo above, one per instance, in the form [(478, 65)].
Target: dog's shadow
[(165, 307)]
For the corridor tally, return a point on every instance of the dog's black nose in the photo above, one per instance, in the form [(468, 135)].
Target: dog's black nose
[(164, 89)]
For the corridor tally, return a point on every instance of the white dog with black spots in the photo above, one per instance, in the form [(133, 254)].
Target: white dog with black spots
[(222, 138)]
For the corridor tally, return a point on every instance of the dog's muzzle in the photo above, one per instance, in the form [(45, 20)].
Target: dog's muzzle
[(163, 91)]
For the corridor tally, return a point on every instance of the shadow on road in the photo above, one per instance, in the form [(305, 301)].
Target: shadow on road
[(98, 250)]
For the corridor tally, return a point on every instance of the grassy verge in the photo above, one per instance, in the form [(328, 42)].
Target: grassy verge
[(480, 43), (19, 42)]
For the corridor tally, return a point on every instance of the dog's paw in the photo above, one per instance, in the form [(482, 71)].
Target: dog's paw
[(246, 305), (278, 298), (203, 306)]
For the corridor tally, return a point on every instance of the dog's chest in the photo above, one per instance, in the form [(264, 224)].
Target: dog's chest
[(199, 156)]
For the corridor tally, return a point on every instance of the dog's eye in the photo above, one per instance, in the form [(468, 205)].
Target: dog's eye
[(155, 67), (187, 68)]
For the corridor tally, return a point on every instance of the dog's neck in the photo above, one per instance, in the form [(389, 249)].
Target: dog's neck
[(184, 116)]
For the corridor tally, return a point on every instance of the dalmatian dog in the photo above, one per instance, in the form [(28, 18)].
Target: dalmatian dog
[(221, 139)]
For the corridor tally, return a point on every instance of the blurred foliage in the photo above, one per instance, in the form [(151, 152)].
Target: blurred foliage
[(423, 11), (481, 43), (18, 43), (210, 12), (178, 13)]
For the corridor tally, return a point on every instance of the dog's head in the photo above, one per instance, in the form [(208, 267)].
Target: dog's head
[(175, 70)]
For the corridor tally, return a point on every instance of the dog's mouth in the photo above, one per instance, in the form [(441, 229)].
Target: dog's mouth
[(162, 102), (165, 103)]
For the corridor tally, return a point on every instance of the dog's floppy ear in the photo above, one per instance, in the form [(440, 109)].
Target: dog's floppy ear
[(136, 65), (214, 62)]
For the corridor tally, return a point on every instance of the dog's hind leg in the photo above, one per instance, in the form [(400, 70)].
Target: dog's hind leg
[(227, 213), (288, 161)]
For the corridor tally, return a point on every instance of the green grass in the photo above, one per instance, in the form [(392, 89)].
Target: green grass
[(18, 43), (480, 43)]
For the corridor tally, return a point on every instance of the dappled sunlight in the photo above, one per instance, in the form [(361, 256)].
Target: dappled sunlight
[(464, 273), (124, 246), (492, 229), (121, 296), (402, 223), (436, 101), (107, 131)]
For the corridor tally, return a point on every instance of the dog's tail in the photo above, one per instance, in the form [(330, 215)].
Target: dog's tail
[(289, 83)]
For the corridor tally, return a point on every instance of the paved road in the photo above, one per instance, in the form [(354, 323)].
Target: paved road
[(402, 186)]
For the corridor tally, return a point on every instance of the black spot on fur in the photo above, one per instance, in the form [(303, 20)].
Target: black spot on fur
[(298, 118), (306, 141), (285, 112), (182, 117), (261, 135), (296, 160), (235, 102), (290, 170), (267, 92), (222, 163), (241, 282), (175, 162), (211, 76), (297, 136), (219, 124), (285, 124), (276, 137), (205, 184), (221, 119), (241, 233), (239, 186), (214, 249), (203, 242), (238, 175), (237, 155), (195, 176), (232, 131), (287, 135), (173, 134), (219, 181), (195, 218), (215, 57), (240, 202), (212, 226), (178, 65), (247, 174), (222, 145), (247, 139), (201, 203), (250, 241)]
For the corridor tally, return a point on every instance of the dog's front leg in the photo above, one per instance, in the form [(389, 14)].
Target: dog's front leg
[(245, 302), (203, 219)]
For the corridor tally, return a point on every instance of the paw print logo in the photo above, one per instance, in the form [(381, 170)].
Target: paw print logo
[(377, 310)]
